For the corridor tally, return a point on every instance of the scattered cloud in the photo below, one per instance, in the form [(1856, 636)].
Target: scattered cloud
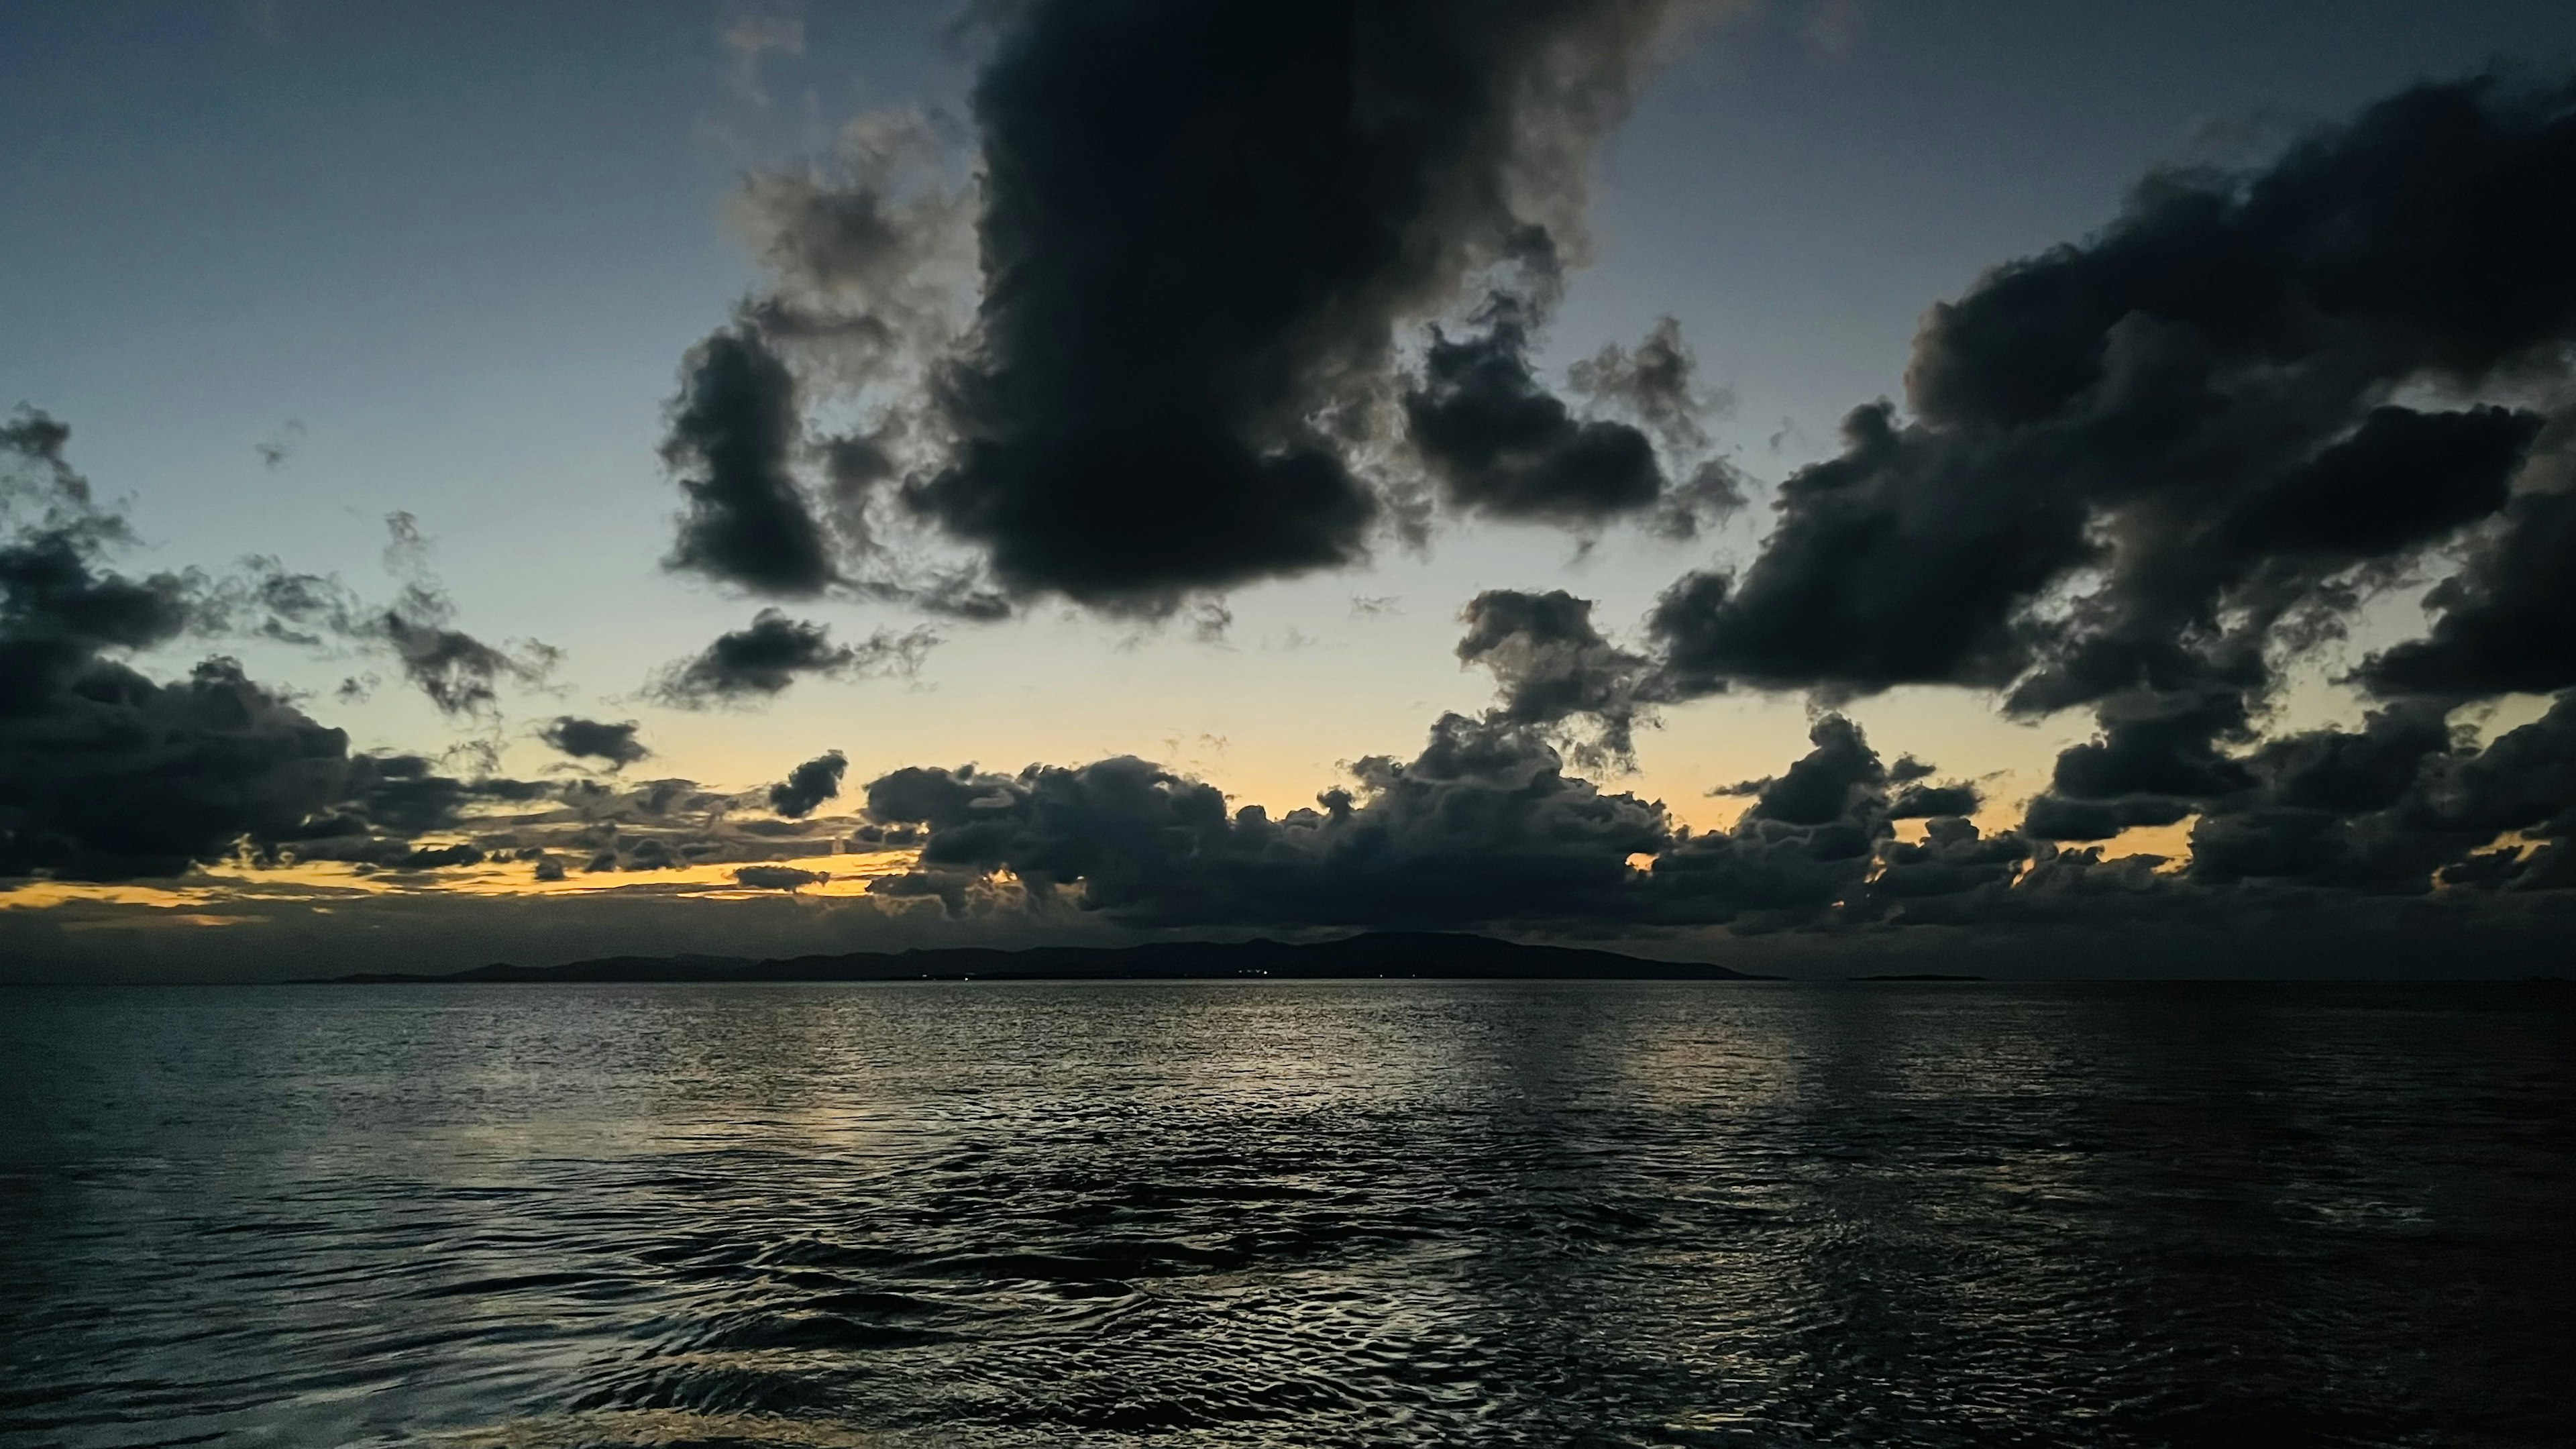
[(809, 785), (759, 662), (279, 448), (613, 744), (752, 31)]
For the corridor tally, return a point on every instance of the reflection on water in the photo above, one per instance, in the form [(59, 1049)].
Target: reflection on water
[(1290, 1214)]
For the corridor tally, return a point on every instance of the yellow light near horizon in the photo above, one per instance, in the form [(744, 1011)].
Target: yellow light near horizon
[(308, 881)]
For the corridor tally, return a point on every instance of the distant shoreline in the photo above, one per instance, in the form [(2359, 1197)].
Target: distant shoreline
[(1415, 955)]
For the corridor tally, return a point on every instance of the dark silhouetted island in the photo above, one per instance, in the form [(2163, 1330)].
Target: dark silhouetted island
[(1430, 955)]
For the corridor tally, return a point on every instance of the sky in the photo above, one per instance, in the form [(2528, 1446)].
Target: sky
[(2072, 488)]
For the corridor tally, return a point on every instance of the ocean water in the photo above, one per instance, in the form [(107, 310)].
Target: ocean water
[(1288, 1214)]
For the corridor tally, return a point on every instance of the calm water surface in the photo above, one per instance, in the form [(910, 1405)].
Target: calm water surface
[(1290, 1214)]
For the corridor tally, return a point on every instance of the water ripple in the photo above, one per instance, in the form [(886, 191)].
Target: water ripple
[(1291, 1214)]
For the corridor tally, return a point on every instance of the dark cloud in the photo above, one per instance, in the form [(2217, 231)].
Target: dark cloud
[(778, 877), (855, 240), (2156, 754), (1825, 785), (106, 774), (1553, 666), (1919, 802), (809, 785), (1869, 581), (2138, 462), (312, 611), (2059, 817), (1483, 828), (2398, 807), (590, 739), (438, 857), (873, 247), (760, 661), (734, 429), (2353, 772), (2393, 807), (1481, 825), (407, 795), (1199, 233), (34, 440), (752, 522), (610, 824), (1817, 850), (58, 605), (1500, 443), (2506, 621), (2401, 477)]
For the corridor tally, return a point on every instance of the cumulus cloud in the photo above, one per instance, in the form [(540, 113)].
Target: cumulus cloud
[(1235, 206), (1483, 828), (107, 774), (1554, 667), (1482, 824), (2506, 621), (1242, 214), (1502, 444), (1487, 828), (2130, 475), (2140, 471), (2137, 462)]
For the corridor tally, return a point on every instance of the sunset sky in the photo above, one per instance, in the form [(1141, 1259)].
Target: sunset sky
[(1782, 482)]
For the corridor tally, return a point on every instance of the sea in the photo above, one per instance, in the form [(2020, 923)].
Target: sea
[(1289, 1213)]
